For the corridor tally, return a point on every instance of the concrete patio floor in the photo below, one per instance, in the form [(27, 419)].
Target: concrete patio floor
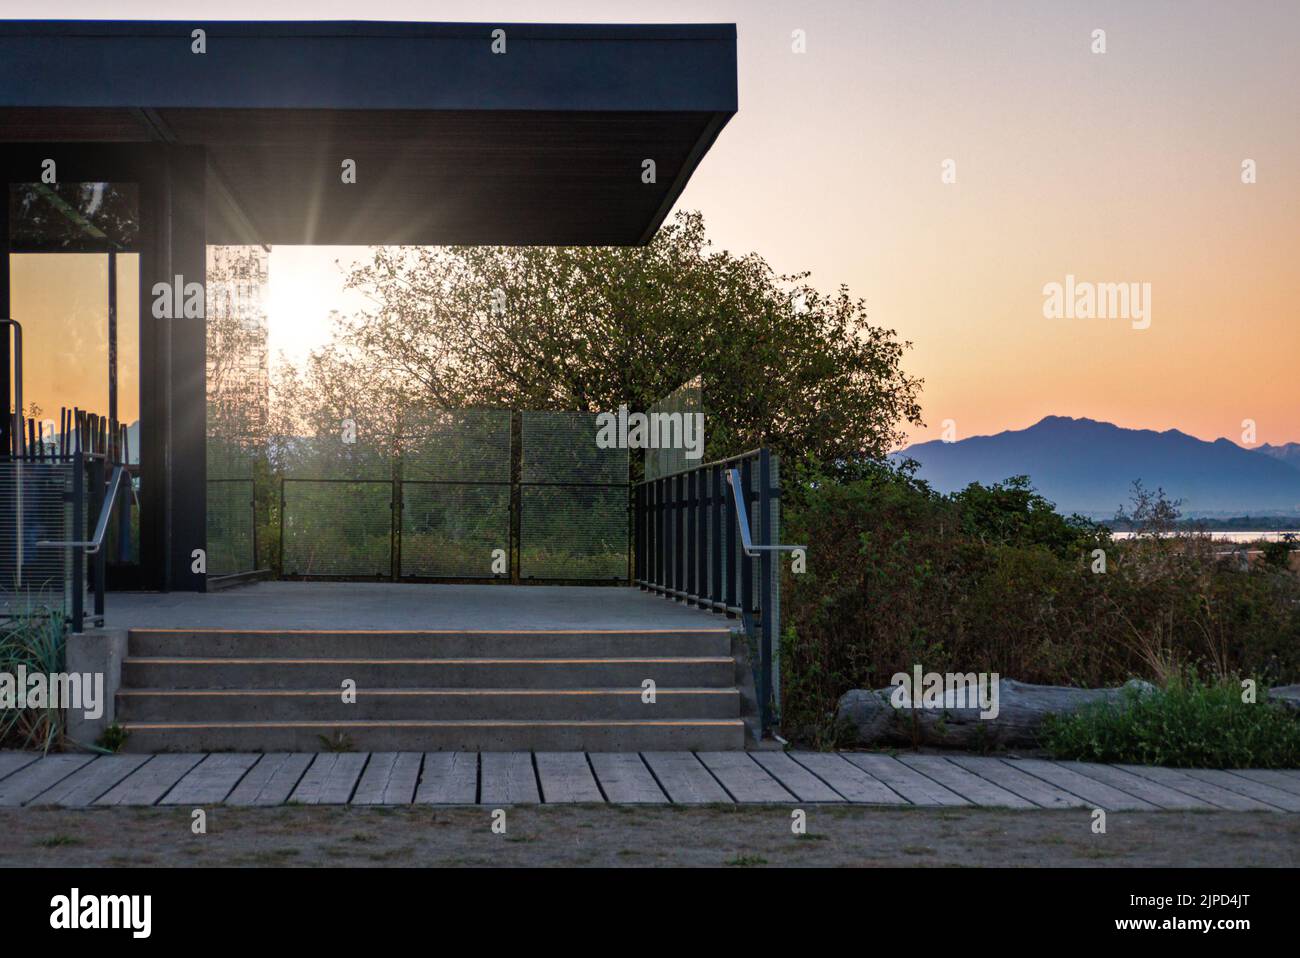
[(393, 606), (648, 778)]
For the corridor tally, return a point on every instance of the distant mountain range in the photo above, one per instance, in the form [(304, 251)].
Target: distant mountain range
[(1088, 467), (1287, 452)]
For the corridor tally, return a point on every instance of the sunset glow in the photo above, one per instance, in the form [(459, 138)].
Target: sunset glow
[(1117, 167)]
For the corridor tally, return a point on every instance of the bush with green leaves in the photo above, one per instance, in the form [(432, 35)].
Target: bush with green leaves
[(36, 641), (993, 579), (1188, 724)]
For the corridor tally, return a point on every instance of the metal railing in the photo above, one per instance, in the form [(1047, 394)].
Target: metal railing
[(90, 493), (707, 537), (86, 444)]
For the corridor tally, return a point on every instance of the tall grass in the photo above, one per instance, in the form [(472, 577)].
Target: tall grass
[(37, 641), (1189, 723)]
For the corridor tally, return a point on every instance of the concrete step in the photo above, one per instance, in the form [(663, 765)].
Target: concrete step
[(531, 644), (476, 673), (425, 736), (288, 705)]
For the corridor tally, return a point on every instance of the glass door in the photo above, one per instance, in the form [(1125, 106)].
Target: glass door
[(74, 285)]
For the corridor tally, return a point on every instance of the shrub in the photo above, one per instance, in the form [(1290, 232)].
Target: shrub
[(1188, 723), (993, 579), (1278, 552), (35, 641)]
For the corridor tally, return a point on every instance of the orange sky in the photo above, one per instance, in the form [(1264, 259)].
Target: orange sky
[(1114, 167)]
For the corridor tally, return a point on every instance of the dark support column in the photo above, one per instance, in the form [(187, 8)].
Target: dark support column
[(186, 436)]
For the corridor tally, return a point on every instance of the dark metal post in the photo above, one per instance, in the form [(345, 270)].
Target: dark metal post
[(395, 519), (715, 580), (729, 522), (101, 555), (746, 562), (689, 546), (283, 570), (252, 508), (701, 536), (637, 532), (679, 534), (78, 535), (767, 622)]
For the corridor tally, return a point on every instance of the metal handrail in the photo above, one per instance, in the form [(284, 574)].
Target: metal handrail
[(92, 546), (742, 519)]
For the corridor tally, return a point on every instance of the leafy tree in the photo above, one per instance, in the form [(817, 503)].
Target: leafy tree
[(590, 328), (1012, 513)]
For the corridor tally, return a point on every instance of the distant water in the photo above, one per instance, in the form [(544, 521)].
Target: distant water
[(1224, 535)]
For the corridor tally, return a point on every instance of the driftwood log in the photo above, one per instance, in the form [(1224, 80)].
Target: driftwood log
[(1287, 695), (1021, 710)]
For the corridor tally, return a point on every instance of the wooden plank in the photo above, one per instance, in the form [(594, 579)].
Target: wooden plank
[(209, 782), (625, 779), (28, 782), (684, 779), (272, 780), (11, 762), (746, 780), (92, 780), (854, 783), (978, 791), (1207, 791), (508, 779), (1029, 787), (1095, 793), (449, 778), (389, 779), (800, 782), (330, 779), (908, 782), (566, 777), (1257, 790), (1159, 795), (1286, 779), (151, 781)]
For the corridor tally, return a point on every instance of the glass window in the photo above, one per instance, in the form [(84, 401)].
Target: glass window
[(73, 216)]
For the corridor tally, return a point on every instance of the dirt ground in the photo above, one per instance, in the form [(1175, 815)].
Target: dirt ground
[(608, 835)]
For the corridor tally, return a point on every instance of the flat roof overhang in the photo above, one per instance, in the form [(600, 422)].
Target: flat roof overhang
[(453, 144)]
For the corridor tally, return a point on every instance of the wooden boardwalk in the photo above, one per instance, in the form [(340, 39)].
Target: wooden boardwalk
[(650, 778)]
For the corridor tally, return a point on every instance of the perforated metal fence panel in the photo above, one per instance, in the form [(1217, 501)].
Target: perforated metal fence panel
[(679, 416), (230, 504), (337, 527), (34, 507), (454, 479), (455, 491), (230, 526), (573, 521)]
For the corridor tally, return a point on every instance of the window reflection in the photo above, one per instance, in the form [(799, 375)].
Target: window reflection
[(73, 216)]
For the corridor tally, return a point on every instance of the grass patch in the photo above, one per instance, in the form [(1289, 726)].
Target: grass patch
[(1187, 724), (57, 841), (34, 640)]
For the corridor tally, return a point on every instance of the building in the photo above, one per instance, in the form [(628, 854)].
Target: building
[(130, 149)]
